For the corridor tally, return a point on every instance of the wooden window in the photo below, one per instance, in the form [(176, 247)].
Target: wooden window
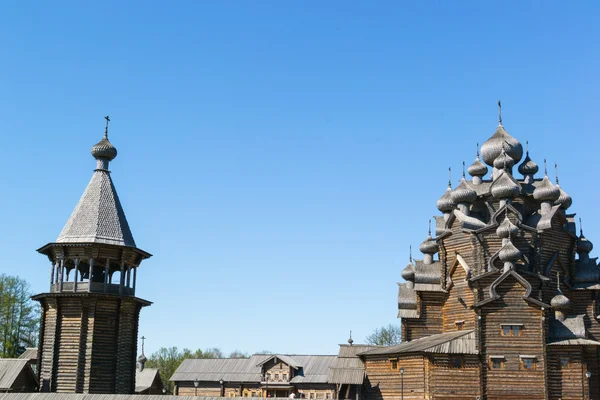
[(460, 325), (312, 395), (564, 362), (456, 362), (285, 377), (328, 396), (527, 363), (497, 362), (394, 364), (253, 394), (276, 377), (512, 330)]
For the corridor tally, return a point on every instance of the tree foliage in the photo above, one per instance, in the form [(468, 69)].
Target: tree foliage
[(385, 336), (19, 317), (168, 359)]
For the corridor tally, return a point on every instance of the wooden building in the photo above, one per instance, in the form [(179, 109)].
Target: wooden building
[(89, 320), (509, 308), (261, 375), (16, 375)]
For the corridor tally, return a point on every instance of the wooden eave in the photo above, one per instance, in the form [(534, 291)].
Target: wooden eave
[(39, 297), (47, 249), (527, 296)]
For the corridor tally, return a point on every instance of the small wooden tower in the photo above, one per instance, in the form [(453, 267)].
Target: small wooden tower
[(89, 321)]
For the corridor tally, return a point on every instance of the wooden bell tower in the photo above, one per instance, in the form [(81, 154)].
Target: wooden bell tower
[(89, 321)]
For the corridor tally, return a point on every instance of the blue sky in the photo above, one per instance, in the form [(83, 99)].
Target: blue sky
[(278, 158)]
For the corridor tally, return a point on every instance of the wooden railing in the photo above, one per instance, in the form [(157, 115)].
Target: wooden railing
[(97, 287)]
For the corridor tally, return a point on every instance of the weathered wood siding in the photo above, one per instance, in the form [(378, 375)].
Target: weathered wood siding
[(447, 382), (512, 382), (459, 303), (430, 321), (385, 383)]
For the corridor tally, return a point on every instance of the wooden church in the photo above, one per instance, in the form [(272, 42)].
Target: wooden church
[(89, 321), (509, 307)]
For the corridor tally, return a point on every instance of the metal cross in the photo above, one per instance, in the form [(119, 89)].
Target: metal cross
[(499, 112), (143, 337), (107, 118)]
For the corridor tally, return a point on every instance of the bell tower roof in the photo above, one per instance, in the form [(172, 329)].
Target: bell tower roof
[(99, 216)]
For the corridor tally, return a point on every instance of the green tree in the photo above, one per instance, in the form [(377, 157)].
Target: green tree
[(385, 336), (19, 317), (238, 354)]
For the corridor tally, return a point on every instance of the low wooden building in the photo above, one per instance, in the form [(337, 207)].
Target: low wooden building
[(510, 307), (261, 375), (16, 375)]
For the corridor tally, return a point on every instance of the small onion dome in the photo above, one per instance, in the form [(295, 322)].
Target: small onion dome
[(506, 229), (142, 359), (408, 273), (503, 161), (564, 200), (445, 203), (583, 244), (546, 191), (560, 302), (104, 149), (504, 187), (463, 193), (350, 341), (477, 168), (528, 167), (509, 253), (492, 147), (429, 246)]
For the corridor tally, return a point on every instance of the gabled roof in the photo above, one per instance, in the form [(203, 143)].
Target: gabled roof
[(145, 378), (10, 368), (286, 359), (522, 281), (457, 342), (30, 353), (312, 369), (348, 368), (99, 216)]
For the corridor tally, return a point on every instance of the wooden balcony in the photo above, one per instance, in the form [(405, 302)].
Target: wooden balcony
[(97, 287)]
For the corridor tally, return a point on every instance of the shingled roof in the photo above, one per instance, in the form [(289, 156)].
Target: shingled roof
[(458, 342)]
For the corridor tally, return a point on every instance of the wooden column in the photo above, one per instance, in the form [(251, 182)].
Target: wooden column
[(51, 275), (106, 272), (134, 278), (62, 272), (57, 271), (122, 278), (91, 274), (128, 277), (76, 275)]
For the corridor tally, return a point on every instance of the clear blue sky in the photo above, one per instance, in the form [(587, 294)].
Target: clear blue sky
[(279, 157)]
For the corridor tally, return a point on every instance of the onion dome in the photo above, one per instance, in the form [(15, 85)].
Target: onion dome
[(564, 200), (142, 359), (503, 161), (463, 193), (583, 244), (509, 252), (528, 167), (104, 149), (350, 340), (445, 203), (504, 187), (560, 302), (429, 246), (546, 191), (477, 168), (506, 229), (491, 149), (408, 273)]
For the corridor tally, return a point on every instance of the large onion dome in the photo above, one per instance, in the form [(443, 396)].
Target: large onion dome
[(560, 302), (445, 203), (492, 148), (477, 168), (504, 187), (142, 359), (528, 167), (509, 253), (546, 191), (408, 273), (104, 149), (463, 193), (506, 229)]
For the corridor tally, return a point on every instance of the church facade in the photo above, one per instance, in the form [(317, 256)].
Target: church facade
[(89, 318), (509, 307)]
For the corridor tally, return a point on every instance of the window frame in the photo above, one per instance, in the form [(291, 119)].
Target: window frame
[(460, 359), (533, 361), (460, 325), (512, 327), (394, 364), (493, 359), (562, 364)]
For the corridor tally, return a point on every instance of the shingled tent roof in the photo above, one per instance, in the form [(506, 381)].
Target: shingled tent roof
[(99, 216), (347, 368), (10, 369)]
